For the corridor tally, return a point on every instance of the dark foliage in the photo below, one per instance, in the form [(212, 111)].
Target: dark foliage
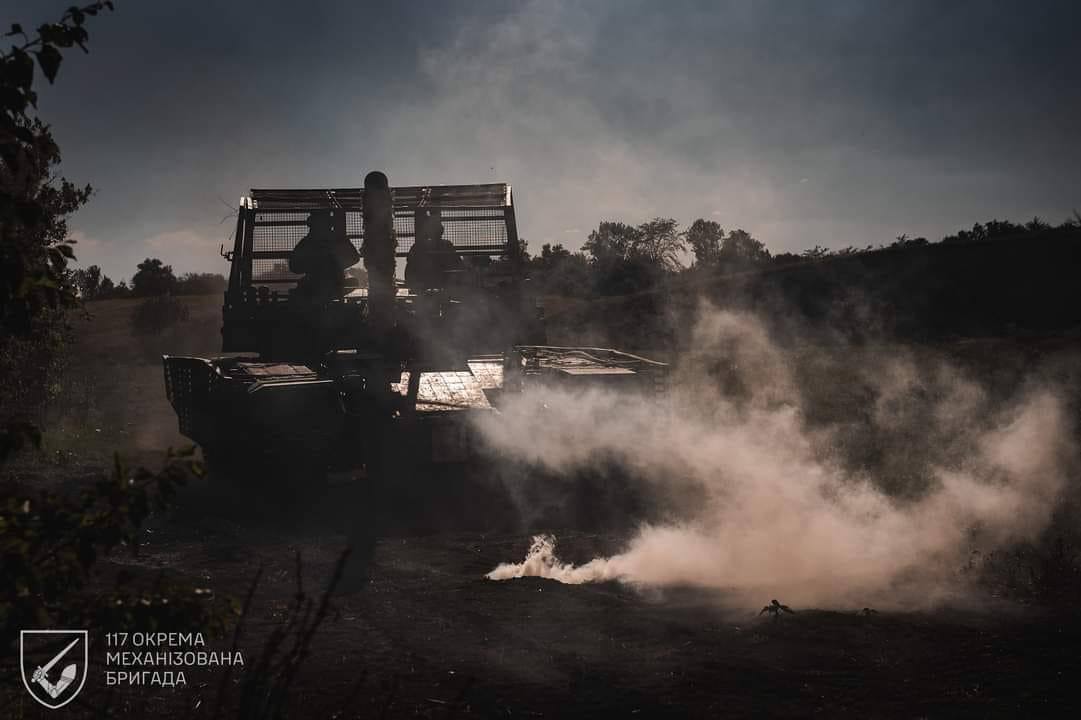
[(1016, 280), (35, 286), (153, 278), (715, 249), (88, 282), (705, 237), (618, 258), (34, 203), (32, 365), (626, 259), (557, 271), (50, 543), (200, 284)]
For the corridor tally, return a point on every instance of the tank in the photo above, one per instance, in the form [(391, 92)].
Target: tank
[(329, 364)]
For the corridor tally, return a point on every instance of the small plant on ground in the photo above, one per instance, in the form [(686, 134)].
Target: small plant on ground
[(265, 690), (50, 545)]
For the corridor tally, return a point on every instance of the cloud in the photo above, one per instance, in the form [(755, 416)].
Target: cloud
[(182, 242), (907, 119), (86, 247)]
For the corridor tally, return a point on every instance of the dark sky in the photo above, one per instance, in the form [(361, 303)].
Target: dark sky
[(806, 123)]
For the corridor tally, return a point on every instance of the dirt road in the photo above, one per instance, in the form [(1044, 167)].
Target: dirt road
[(429, 636)]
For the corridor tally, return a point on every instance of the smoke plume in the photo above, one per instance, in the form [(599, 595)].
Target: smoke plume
[(872, 488)]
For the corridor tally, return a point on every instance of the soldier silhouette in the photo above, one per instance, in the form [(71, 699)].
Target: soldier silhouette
[(322, 256), (432, 255)]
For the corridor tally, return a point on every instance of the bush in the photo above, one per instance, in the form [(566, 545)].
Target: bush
[(50, 545), (32, 366), (157, 314), (153, 278)]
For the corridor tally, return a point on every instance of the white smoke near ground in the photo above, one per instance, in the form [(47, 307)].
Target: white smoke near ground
[(780, 513)]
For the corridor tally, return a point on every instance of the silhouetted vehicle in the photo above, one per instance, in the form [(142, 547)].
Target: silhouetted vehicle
[(335, 376)]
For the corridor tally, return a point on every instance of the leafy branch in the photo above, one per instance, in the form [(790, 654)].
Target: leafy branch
[(49, 543), (34, 243)]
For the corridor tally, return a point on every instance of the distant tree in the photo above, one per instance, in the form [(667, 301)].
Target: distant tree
[(705, 237), (1000, 228), (1037, 224), (659, 242), (627, 258), (739, 249), (787, 258), (92, 284), (611, 241), (88, 282), (153, 278), (904, 241), (614, 268), (558, 271), (551, 256), (978, 233), (523, 250), (200, 284)]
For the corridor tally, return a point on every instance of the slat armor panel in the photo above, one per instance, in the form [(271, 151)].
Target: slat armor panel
[(477, 219)]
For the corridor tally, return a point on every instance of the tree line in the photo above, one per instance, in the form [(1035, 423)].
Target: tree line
[(151, 279), (618, 258)]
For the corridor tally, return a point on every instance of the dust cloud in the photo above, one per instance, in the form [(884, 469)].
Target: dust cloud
[(880, 501)]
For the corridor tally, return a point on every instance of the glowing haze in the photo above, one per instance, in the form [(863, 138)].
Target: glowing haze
[(840, 123)]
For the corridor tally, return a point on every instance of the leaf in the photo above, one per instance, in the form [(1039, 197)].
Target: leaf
[(67, 251), (21, 68), (16, 29), (49, 59), (24, 134), (44, 282)]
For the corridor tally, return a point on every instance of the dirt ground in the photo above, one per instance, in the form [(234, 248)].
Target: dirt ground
[(428, 636)]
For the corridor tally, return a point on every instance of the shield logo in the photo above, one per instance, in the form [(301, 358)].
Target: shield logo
[(54, 664)]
